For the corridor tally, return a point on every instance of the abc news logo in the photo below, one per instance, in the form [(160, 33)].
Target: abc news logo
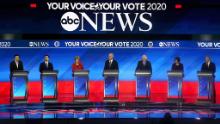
[(169, 44), (103, 21), (70, 21), (39, 44)]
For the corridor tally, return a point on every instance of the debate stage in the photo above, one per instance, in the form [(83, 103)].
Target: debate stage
[(117, 113), (127, 92), (67, 107)]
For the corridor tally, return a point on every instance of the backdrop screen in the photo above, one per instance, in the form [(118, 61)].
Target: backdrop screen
[(160, 53)]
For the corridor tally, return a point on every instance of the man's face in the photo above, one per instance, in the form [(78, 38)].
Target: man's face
[(144, 58), (46, 58), (176, 61), (17, 58), (110, 56), (207, 59)]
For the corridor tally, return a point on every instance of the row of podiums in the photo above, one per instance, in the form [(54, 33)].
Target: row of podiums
[(49, 81)]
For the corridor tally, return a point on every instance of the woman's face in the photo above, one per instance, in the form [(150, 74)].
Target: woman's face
[(76, 60)]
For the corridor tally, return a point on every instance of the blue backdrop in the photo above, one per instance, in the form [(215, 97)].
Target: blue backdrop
[(94, 58)]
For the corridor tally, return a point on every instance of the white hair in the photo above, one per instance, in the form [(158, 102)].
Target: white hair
[(144, 56), (111, 54)]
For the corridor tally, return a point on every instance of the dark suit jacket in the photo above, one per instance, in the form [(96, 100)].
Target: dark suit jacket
[(211, 68), (43, 67), (13, 67), (142, 67), (177, 68), (114, 65)]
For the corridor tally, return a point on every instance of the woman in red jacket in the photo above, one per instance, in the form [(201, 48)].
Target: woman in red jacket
[(77, 65)]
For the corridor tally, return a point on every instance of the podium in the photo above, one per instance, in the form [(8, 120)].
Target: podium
[(142, 85), (19, 81), (206, 82), (49, 86), (175, 80), (111, 85), (81, 79)]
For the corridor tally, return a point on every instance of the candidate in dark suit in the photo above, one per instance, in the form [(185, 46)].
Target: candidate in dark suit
[(208, 66), (144, 64), (46, 65), (16, 64), (177, 65), (111, 64)]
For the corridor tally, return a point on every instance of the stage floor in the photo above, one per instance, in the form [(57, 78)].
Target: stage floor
[(108, 111)]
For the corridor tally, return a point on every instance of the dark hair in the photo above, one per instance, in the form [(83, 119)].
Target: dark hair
[(46, 55), (177, 58), (16, 55)]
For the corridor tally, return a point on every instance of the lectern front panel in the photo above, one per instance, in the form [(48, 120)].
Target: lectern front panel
[(206, 81), (19, 86), (111, 87), (143, 83), (80, 86), (111, 83), (173, 86), (49, 86), (175, 80), (203, 86), (141, 86)]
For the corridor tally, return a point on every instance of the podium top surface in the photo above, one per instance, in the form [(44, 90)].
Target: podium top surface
[(81, 73), (202, 73), (20, 73), (175, 73), (111, 73), (143, 73), (55, 72)]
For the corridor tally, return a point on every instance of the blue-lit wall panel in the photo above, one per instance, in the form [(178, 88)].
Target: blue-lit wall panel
[(93, 60)]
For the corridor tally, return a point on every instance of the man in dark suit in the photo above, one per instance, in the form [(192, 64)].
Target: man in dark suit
[(208, 66), (111, 64), (16, 64), (144, 64), (46, 65)]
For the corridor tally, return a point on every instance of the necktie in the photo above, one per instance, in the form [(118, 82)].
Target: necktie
[(110, 63), (17, 65)]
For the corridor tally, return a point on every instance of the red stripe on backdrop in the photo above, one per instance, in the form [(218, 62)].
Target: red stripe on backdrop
[(96, 91), (158, 91), (127, 91), (34, 92), (65, 91), (190, 91), (217, 92), (5, 88)]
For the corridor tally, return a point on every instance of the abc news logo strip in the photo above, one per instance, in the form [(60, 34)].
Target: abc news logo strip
[(107, 16), (110, 44)]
